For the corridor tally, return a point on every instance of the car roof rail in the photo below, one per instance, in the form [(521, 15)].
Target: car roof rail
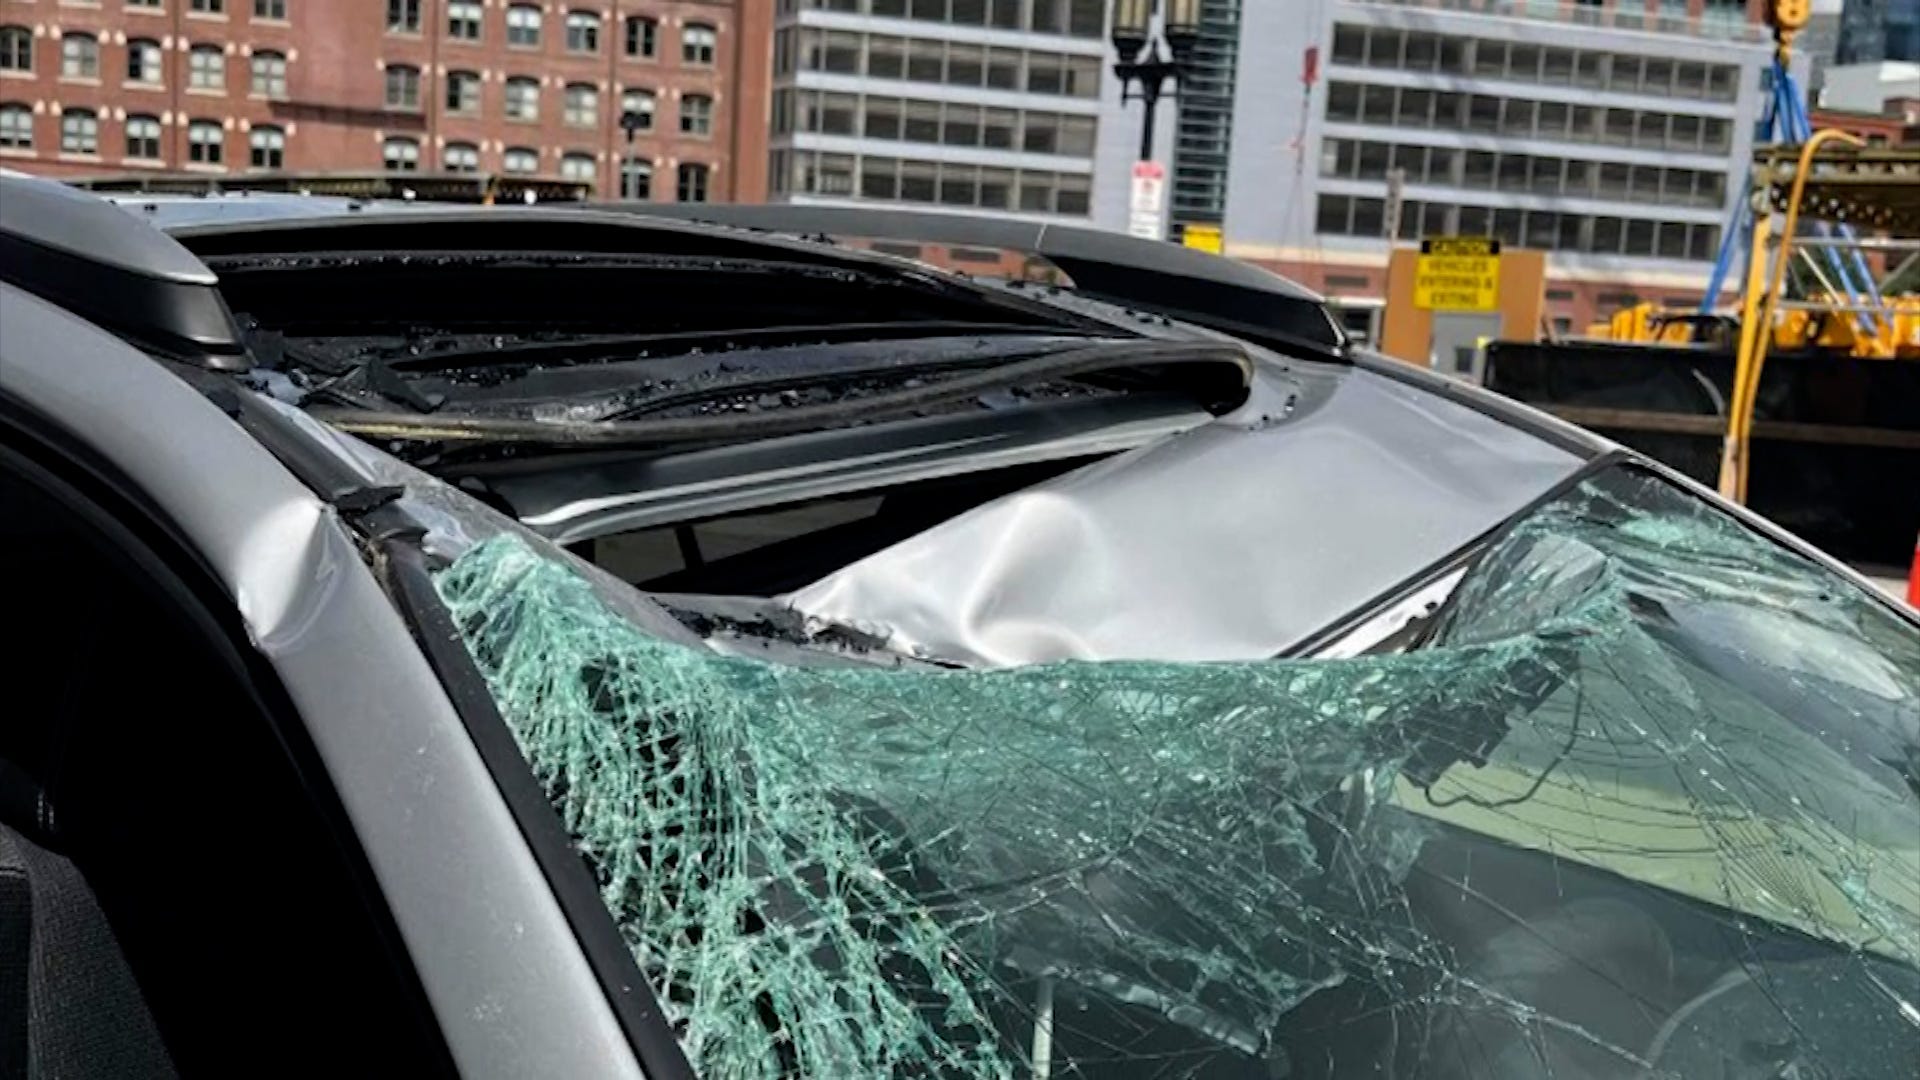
[(1194, 286), (114, 270)]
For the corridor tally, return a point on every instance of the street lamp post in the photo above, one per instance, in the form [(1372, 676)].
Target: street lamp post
[(1141, 61), (630, 122)]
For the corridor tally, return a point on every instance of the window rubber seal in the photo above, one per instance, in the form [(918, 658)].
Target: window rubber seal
[(403, 567)]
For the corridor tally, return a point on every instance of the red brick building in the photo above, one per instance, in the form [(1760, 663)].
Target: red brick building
[(660, 99), (1888, 128)]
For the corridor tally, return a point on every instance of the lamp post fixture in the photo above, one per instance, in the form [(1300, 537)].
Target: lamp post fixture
[(1141, 59), (630, 122)]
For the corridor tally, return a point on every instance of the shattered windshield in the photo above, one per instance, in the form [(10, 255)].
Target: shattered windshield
[(1645, 801)]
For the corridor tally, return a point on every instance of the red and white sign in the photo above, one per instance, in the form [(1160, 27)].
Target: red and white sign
[(1148, 201)]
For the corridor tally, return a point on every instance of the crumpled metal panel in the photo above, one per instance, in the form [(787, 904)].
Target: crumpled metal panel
[(1237, 540), (456, 521)]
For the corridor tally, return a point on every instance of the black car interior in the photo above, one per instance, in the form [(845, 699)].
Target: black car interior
[(164, 831)]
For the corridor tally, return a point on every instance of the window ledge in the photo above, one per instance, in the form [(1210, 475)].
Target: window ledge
[(79, 155), (206, 91), (207, 16), (81, 80), (285, 24), (142, 84), (204, 167), (18, 152)]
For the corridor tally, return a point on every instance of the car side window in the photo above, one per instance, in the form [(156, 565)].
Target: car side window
[(147, 746)]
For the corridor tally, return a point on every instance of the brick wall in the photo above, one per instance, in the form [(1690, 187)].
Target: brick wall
[(334, 112)]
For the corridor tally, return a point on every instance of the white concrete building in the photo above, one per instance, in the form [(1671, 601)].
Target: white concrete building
[(1612, 135), (1868, 87), (981, 106)]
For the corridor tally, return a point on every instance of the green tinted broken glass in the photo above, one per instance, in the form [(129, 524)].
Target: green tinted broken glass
[(1059, 869)]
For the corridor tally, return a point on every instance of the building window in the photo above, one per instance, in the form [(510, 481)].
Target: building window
[(463, 92), (463, 20), (403, 87), (583, 32), (270, 75), (143, 137), (79, 132), (833, 51), (523, 98), (886, 57), (643, 35), (697, 42), (16, 48), (696, 115), (834, 114), (401, 155), (267, 148), (523, 25), (206, 143), (207, 68), (692, 185), (143, 61), (403, 16), (461, 157), (636, 110), (16, 127), (270, 9), (79, 56), (578, 167), (636, 179), (581, 107), (208, 7), (519, 159)]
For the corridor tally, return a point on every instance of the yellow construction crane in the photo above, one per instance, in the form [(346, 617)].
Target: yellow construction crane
[(1825, 375), (1827, 176)]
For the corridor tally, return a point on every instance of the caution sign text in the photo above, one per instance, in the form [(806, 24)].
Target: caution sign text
[(1457, 273)]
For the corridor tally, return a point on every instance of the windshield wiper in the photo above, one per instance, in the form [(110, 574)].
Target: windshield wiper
[(1108, 357), (806, 378), (575, 349)]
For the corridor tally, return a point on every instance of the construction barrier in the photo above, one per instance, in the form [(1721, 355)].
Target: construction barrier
[(1913, 576)]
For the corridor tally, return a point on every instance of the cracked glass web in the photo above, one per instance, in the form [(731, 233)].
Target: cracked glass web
[(1642, 802)]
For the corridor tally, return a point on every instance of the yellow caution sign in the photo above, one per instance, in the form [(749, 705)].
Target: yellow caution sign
[(1202, 238), (1457, 273)]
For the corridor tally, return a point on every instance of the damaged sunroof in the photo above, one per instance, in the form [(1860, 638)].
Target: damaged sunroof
[(1644, 804)]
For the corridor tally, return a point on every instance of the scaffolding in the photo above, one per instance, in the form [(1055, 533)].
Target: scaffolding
[(1830, 185)]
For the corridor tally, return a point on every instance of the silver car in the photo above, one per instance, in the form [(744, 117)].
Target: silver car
[(581, 643)]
